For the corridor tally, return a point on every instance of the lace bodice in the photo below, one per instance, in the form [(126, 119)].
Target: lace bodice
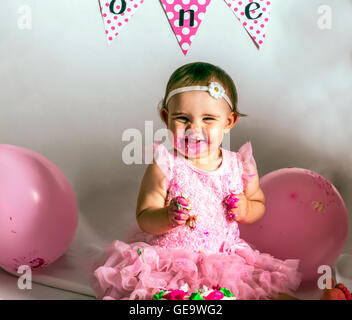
[(207, 190)]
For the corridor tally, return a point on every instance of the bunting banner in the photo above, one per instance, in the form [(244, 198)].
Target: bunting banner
[(254, 17), (185, 17)]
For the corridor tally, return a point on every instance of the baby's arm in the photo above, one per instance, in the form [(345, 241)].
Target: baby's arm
[(151, 212), (152, 215), (249, 205), (252, 191), (256, 201)]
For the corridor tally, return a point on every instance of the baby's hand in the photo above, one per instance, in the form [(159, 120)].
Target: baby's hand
[(237, 206), (178, 211)]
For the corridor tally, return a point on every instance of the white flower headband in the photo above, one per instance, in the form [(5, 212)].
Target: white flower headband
[(215, 90)]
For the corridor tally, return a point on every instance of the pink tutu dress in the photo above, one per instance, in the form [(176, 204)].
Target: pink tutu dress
[(211, 254)]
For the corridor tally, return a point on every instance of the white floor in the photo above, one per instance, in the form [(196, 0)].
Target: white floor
[(65, 280), (9, 291)]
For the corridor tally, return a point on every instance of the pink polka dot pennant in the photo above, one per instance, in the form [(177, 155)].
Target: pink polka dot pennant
[(254, 17), (185, 17), (116, 14)]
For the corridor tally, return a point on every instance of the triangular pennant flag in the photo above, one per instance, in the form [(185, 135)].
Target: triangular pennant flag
[(185, 17), (116, 14), (254, 17)]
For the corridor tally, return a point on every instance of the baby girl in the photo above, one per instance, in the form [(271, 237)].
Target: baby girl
[(191, 201)]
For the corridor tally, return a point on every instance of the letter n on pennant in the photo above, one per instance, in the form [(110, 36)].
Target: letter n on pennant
[(185, 19)]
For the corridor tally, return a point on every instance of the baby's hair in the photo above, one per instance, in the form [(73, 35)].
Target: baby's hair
[(201, 73)]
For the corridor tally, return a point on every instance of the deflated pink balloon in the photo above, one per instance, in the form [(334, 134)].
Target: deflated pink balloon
[(38, 210), (305, 219)]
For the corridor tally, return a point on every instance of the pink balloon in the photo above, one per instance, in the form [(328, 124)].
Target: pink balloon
[(305, 219), (38, 210)]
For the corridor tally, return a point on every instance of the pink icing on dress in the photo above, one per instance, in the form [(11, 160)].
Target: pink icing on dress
[(211, 254)]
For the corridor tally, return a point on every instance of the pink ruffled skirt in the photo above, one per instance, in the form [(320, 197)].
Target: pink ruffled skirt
[(138, 270)]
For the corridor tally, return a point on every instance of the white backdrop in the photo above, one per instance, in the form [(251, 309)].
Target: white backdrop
[(67, 95)]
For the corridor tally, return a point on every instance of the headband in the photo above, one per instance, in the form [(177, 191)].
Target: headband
[(215, 90)]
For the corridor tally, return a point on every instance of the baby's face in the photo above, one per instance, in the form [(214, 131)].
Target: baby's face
[(198, 122)]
